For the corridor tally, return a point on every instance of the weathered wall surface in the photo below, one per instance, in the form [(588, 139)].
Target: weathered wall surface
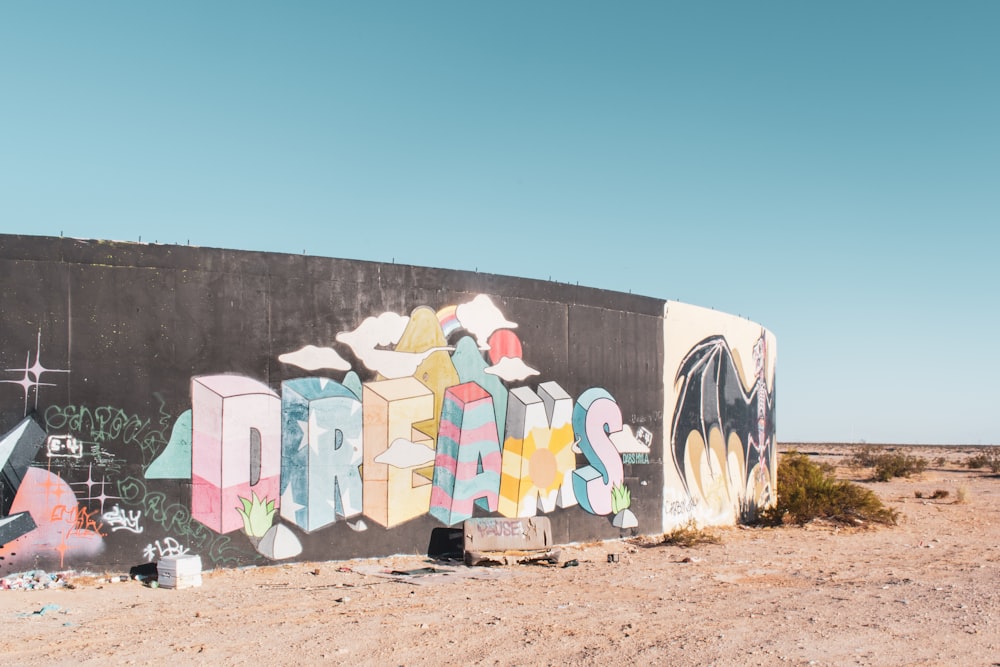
[(255, 407)]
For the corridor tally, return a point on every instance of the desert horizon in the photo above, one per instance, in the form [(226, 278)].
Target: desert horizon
[(784, 445)]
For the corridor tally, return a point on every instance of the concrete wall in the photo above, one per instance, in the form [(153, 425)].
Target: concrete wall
[(257, 407)]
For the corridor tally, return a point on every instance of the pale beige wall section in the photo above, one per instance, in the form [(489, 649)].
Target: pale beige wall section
[(716, 499)]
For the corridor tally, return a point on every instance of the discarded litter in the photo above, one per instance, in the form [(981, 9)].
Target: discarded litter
[(571, 563), (432, 575), (43, 611), (35, 579), (417, 572)]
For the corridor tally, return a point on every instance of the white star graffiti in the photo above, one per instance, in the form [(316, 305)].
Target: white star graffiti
[(32, 378)]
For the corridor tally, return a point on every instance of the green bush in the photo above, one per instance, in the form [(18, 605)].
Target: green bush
[(988, 458), (886, 464), (807, 491), (864, 456), (891, 465)]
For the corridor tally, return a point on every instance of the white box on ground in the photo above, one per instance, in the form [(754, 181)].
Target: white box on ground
[(179, 571)]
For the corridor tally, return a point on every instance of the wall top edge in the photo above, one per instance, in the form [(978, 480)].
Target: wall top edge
[(681, 309), (124, 254)]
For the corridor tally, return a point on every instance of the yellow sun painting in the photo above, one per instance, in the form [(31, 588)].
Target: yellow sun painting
[(534, 471)]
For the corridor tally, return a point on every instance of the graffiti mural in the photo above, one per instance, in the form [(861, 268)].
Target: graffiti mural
[(256, 420), (426, 443), (723, 431), (32, 372), (537, 456), (722, 445), (467, 462), (235, 447), (321, 452)]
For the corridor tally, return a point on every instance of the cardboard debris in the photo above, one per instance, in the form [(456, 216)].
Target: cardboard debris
[(437, 574)]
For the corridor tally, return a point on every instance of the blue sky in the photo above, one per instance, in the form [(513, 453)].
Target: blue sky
[(830, 170)]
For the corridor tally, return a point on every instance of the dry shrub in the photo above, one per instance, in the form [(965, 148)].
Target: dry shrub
[(863, 456), (988, 458), (886, 464), (690, 536), (939, 494), (687, 536), (807, 492), (891, 465), (962, 494)]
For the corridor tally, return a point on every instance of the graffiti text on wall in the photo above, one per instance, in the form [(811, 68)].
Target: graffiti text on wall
[(423, 437), (439, 429)]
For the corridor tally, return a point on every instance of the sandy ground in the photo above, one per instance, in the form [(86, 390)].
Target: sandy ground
[(925, 592)]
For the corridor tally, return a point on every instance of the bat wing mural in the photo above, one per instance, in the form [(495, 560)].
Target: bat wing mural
[(712, 399)]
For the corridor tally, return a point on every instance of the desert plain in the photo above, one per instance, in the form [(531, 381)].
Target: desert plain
[(923, 592)]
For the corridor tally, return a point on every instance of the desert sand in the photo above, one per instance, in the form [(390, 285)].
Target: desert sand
[(924, 592)]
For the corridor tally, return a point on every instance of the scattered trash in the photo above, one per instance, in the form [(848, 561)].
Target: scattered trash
[(35, 579), (417, 572), (513, 557), (614, 558), (143, 573), (432, 575), (43, 611), (571, 563)]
